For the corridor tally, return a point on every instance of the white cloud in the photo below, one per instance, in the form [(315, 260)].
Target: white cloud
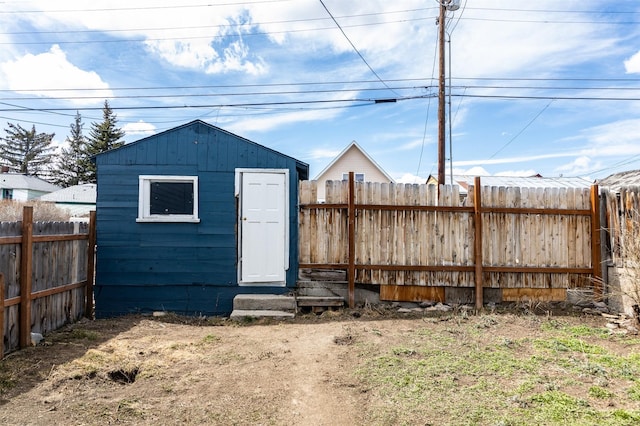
[(632, 65), (411, 178), (321, 153), (579, 166), (473, 171), (139, 128), (38, 74)]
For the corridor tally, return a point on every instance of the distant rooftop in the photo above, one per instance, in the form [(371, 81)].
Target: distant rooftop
[(81, 194), (20, 181), (618, 180), (464, 181)]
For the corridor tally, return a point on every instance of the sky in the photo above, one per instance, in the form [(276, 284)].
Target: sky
[(544, 87)]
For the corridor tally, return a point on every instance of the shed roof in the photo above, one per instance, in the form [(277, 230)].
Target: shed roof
[(302, 166), (622, 179), (77, 194), (20, 181)]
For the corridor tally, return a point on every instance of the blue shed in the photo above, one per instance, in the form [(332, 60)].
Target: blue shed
[(189, 218)]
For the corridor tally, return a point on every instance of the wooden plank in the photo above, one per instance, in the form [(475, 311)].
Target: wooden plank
[(411, 293), (385, 224), (2, 323), (319, 301), (534, 294), (478, 243), (91, 253), (595, 243), (26, 267), (351, 273)]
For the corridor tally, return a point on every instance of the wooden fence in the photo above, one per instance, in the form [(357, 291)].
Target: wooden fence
[(621, 221), (415, 243), (46, 277)]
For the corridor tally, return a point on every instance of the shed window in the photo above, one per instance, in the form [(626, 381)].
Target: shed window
[(358, 177), (7, 194), (168, 199)]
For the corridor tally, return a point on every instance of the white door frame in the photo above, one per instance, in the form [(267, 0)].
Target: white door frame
[(239, 172)]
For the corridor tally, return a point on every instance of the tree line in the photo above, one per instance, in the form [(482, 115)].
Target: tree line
[(29, 152)]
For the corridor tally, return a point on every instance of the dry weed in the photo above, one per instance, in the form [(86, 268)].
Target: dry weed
[(11, 211)]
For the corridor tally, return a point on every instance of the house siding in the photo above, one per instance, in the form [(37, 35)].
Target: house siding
[(187, 268), (351, 161)]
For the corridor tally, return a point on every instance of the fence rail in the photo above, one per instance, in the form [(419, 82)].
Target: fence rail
[(416, 242), (46, 276)]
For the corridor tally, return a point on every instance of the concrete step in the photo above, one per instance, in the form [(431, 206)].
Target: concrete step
[(242, 314), (264, 302)]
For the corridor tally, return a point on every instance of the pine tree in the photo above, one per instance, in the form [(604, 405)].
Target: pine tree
[(71, 160), (27, 151), (102, 137)]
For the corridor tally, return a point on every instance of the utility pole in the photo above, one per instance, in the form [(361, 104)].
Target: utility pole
[(441, 93), (445, 5)]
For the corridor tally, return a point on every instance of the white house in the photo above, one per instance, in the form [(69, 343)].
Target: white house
[(352, 159), (79, 200), (19, 187)]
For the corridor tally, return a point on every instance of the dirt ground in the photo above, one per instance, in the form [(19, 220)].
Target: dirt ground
[(171, 370)]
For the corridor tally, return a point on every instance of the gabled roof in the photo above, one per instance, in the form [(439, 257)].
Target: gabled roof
[(355, 145), (302, 166), (77, 194), (537, 181), (618, 180), (20, 181)]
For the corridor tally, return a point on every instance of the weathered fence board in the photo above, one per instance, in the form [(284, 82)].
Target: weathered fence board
[(47, 270), (415, 235)]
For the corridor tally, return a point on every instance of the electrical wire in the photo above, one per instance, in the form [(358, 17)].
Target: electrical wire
[(356, 49), (522, 130)]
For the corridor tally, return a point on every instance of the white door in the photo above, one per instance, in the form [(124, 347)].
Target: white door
[(263, 227)]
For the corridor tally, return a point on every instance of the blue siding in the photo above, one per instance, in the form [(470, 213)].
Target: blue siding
[(188, 268)]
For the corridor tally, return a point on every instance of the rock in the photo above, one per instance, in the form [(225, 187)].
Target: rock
[(36, 338), (404, 311), (427, 303), (440, 308)]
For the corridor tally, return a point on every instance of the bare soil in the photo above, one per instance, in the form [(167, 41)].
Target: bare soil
[(173, 370)]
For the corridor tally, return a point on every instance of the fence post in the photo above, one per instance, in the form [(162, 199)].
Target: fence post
[(91, 265), (352, 241), (595, 243), (1, 315), (477, 210), (26, 267)]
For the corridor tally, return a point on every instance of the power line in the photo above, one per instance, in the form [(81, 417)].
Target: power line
[(522, 130), (211, 36), (222, 26), (366, 101), (113, 9)]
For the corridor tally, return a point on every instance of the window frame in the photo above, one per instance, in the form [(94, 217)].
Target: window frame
[(345, 176), (144, 199)]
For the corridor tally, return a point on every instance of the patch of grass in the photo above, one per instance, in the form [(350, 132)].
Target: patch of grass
[(209, 339), (559, 407), (81, 334), (130, 408), (600, 392), (634, 392), (568, 344)]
